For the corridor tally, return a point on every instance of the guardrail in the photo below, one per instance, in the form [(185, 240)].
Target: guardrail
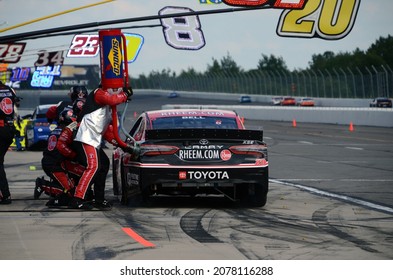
[(364, 115)]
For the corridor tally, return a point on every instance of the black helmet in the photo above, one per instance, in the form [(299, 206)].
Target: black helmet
[(77, 106), (78, 92), (66, 116)]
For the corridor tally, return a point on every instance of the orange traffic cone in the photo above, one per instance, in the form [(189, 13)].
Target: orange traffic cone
[(294, 123), (135, 114), (351, 128)]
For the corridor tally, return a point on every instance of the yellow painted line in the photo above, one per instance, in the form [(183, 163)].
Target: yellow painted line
[(55, 15)]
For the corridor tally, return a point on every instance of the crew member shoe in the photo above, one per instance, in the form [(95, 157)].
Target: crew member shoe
[(59, 200), (102, 204), (38, 188), (77, 203), (5, 200)]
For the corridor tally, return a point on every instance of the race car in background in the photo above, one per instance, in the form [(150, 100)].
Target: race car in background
[(38, 128), (381, 102), (193, 152)]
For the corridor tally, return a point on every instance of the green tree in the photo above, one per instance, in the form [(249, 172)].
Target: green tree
[(272, 63), (226, 66), (321, 61), (190, 72), (379, 53), (383, 48)]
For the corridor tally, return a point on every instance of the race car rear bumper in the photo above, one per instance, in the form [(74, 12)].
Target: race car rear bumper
[(206, 176)]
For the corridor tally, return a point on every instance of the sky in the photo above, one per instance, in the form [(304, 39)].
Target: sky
[(245, 36)]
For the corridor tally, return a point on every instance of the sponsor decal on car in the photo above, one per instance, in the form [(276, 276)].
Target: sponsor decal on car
[(225, 155), (191, 113), (201, 152), (132, 179), (211, 175)]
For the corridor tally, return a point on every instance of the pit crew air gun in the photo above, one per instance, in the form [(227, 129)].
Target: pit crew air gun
[(114, 71)]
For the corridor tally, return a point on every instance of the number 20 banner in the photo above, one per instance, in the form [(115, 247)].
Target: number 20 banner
[(325, 19)]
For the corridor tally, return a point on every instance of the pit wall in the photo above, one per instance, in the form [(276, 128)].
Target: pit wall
[(331, 111)]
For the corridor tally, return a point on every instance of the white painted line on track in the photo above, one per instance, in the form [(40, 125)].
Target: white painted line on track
[(355, 148), (336, 196), (306, 142), (330, 180)]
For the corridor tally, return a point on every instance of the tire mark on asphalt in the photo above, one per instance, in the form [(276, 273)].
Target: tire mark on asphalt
[(251, 222), (78, 247), (320, 218), (191, 224)]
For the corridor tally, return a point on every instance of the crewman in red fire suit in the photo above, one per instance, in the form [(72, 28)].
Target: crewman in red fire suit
[(59, 161), (94, 122)]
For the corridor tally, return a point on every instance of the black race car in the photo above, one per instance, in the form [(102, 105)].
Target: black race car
[(193, 152)]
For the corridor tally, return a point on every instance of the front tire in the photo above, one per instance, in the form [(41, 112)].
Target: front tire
[(27, 144)]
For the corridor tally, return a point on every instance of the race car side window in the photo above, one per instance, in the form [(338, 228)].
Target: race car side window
[(138, 129), (139, 133), (135, 127)]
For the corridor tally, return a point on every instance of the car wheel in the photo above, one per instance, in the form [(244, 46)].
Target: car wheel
[(260, 195), (124, 187), (27, 144), (124, 196), (145, 193), (114, 177), (241, 193), (258, 192)]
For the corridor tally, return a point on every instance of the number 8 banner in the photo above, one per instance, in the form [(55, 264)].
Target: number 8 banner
[(182, 32)]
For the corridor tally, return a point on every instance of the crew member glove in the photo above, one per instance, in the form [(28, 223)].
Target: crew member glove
[(128, 92), (129, 149)]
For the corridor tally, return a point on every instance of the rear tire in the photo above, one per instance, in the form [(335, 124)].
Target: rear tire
[(241, 193), (145, 193), (260, 195), (124, 196), (260, 192), (114, 178), (124, 187)]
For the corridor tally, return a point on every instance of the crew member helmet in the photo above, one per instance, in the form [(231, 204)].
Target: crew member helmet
[(78, 92)]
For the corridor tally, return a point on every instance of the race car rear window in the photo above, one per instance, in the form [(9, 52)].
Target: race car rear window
[(194, 122)]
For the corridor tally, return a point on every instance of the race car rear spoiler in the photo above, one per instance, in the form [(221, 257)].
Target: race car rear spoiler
[(227, 134)]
